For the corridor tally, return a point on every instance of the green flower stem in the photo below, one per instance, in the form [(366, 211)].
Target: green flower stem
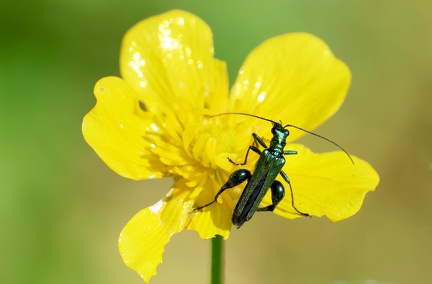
[(217, 260)]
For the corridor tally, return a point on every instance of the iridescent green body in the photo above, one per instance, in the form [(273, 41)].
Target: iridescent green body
[(263, 178), (268, 167)]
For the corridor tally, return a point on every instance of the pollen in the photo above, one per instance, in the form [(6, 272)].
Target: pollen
[(209, 144)]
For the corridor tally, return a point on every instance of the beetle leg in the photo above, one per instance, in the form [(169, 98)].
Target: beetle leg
[(277, 193), (235, 179), (257, 140), (251, 147), (285, 177), (290, 152)]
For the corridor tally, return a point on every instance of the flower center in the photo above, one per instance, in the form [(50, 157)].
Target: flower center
[(210, 144)]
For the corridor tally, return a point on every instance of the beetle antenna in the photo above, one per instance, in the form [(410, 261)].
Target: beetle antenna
[(288, 125), (322, 137), (246, 114)]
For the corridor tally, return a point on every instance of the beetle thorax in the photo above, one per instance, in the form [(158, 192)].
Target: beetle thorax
[(278, 141)]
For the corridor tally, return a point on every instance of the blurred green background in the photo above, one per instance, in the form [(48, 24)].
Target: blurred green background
[(61, 208)]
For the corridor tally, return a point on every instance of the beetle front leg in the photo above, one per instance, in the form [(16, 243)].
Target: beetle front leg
[(251, 147), (234, 179), (290, 152), (257, 140)]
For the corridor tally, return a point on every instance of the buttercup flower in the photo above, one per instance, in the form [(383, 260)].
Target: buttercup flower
[(155, 122)]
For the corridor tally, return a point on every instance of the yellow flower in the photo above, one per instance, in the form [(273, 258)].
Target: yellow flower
[(154, 122)]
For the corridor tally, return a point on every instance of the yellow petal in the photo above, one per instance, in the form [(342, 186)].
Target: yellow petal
[(216, 218), (168, 58), (213, 220), (294, 78), (325, 184), (142, 240), (116, 132)]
